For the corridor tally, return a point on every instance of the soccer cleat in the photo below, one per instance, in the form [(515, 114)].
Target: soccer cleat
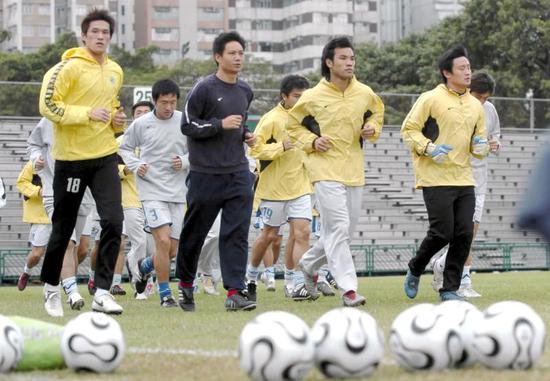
[(76, 301), (143, 278), (310, 282), (468, 292), (325, 289), (270, 286), (411, 284), (288, 290), (168, 302), (117, 290), (106, 304), (353, 299), (91, 286), (450, 295), (208, 286), (330, 279), (52, 302), (437, 268), (134, 267), (22, 281), (140, 296), (150, 288), (185, 299), (251, 291), (300, 293), (239, 302)]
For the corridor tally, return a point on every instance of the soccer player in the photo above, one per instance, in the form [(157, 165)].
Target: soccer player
[(161, 170), (283, 186), (482, 87), (80, 96), (30, 186), (331, 120), (219, 178), (443, 129)]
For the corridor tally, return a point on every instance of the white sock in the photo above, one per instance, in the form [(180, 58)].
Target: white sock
[(117, 279), (100, 292), (289, 277), (252, 273), (91, 274), (466, 278), (270, 272), (26, 269), (51, 287)]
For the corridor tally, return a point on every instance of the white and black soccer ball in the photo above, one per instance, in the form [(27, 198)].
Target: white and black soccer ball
[(511, 335), (276, 345), (93, 341), (421, 338), (348, 343), (466, 317), (11, 344)]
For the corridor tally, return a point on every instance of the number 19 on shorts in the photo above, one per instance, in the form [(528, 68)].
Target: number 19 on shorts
[(73, 184)]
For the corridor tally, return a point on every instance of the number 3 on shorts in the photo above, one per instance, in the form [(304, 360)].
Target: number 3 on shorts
[(73, 184)]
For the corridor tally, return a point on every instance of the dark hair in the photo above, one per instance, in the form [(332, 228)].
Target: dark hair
[(142, 103), (445, 62), (98, 14), (291, 82), (163, 87), (482, 83), (219, 43), (328, 53)]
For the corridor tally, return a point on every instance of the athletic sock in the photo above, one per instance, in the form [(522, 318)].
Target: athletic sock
[(298, 277), (466, 278), (270, 272), (185, 285), (164, 290), (147, 265), (26, 269), (91, 274), (117, 279), (69, 285), (231, 292), (323, 271), (100, 292), (251, 274), (289, 276)]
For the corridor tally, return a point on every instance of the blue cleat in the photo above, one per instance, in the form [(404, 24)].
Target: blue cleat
[(411, 284), (450, 295)]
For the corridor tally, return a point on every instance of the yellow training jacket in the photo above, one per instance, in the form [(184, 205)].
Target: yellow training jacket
[(130, 197), (340, 117), (33, 207), (70, 91), (283, 175), (459, 118)]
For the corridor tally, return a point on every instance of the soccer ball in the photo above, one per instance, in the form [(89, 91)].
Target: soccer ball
[(11, 344), (348, 343), (511, 335), (274, 346), (93, 341), (423, 338), (466, 317)]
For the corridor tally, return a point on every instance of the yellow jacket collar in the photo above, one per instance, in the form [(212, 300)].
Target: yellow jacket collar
[(332, 86), (450, 91), (82, 53)]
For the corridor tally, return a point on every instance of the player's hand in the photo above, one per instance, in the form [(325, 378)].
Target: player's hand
[(439, 153), (126, 171), (232, 122), (176, 163), (39, 164), (494, 144), (142, 170), (287, 144), (368, 131), (120, 118), (100, 115), (249, 139), (322, 144)]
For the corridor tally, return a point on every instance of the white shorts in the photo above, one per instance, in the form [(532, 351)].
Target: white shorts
[(40, 234), (83, 212), (276, 213), (160, 213)]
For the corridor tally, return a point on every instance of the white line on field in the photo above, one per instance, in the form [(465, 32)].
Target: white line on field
[(183, 351)]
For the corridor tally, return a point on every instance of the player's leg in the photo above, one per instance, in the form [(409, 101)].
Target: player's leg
[(38, 238)]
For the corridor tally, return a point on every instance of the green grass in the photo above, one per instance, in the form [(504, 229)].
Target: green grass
[(210, 328)]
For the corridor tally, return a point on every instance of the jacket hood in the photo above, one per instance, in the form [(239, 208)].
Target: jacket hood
[(80, 52)]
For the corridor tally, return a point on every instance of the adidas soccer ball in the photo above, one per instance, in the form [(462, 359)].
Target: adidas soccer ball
[(422, 338), (93, 341), (511, 335), (11, 344), (466, 317), (348, 343), (274, 346)]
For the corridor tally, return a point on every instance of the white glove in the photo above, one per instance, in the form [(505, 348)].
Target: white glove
[(480, 146), (438, 152)]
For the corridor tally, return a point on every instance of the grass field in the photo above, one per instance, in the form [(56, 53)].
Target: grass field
[(172, 345)]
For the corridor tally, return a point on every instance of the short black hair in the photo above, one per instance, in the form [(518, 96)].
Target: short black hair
[(328, 53), (445, 62), (482, 83), (142, 103), (291, 82), (163, 87), (98, 14), (219, 43)]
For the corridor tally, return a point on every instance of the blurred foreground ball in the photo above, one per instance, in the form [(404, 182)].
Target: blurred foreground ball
[(275, 346), (11, 344), (93, 341)]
